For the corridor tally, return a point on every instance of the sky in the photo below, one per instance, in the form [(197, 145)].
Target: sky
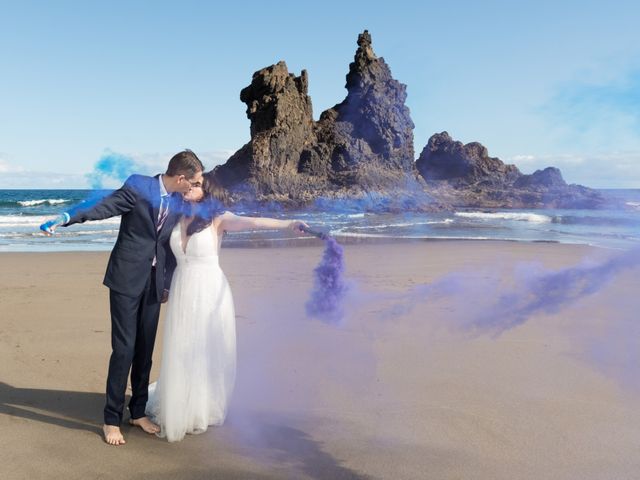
[(538, 83)]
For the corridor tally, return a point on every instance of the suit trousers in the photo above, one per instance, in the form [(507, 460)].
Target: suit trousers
[(134, 323)]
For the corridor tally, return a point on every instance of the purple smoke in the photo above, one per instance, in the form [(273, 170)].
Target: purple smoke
[(539, 291), (534, 290), (329, 288)]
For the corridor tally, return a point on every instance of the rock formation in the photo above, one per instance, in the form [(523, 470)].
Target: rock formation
[(362, 148), (465, 175), (372, 125), (281, 127), (463, 165)]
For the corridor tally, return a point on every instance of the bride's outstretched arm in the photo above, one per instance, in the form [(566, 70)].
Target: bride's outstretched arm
[(235, 223)]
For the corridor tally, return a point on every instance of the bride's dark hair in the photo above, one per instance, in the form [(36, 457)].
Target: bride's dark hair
[(210, 206)]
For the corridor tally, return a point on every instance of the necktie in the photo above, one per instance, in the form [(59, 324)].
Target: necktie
[(164, 211)]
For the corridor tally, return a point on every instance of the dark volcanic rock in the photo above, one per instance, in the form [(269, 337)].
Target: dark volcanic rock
[(550, 177), (281, 127), (361, 146), (463, 165), (372, 124), (465, 175), (362, 149)]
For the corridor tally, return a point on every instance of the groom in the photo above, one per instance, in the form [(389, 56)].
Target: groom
[(138, 275)]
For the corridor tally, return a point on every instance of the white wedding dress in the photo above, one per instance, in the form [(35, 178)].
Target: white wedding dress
[(197, 371)]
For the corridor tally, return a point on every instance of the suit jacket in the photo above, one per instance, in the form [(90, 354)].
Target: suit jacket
[(138, 202)]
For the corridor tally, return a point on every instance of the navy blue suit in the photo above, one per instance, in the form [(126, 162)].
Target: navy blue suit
[(136, 286)]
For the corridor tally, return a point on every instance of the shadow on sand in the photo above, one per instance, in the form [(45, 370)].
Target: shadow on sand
[(73, 410), (271, 439), (274, 440)]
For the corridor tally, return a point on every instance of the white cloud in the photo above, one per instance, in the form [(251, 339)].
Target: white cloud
[(41, 180), (216, 157), (6, 166), (12, 176), (157, 162), (520, 159), (605, 170)]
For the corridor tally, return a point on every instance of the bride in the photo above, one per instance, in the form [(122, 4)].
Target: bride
[(197, 370)]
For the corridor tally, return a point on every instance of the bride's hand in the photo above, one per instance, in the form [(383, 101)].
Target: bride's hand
[(297, 226)]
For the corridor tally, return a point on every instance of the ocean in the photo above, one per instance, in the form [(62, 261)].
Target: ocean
[(22, 211)]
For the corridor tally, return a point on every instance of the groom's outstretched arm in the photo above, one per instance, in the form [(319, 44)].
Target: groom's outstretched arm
[(117, 203)]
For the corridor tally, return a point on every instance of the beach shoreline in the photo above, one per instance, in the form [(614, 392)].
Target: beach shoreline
[(310, 242)]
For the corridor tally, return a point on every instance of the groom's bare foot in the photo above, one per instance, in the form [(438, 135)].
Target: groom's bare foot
[(112, 435), (145, 424)]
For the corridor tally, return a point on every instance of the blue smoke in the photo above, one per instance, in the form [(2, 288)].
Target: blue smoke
[(114, 166), (110, 165), (408, 198)]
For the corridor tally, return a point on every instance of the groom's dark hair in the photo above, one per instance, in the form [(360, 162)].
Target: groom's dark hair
[(184, 163)]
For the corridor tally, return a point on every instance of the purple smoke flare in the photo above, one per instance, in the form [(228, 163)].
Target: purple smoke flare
[(540, 291), (536, 290), (329, 288)]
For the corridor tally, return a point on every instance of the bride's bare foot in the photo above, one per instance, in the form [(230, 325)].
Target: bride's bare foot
[(145, 424), (112, 435)]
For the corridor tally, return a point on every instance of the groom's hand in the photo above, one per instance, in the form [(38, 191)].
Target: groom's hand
[(49, 228), (165, 296)]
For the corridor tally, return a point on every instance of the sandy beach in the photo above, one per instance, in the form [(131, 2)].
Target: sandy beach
[(382, 396)]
